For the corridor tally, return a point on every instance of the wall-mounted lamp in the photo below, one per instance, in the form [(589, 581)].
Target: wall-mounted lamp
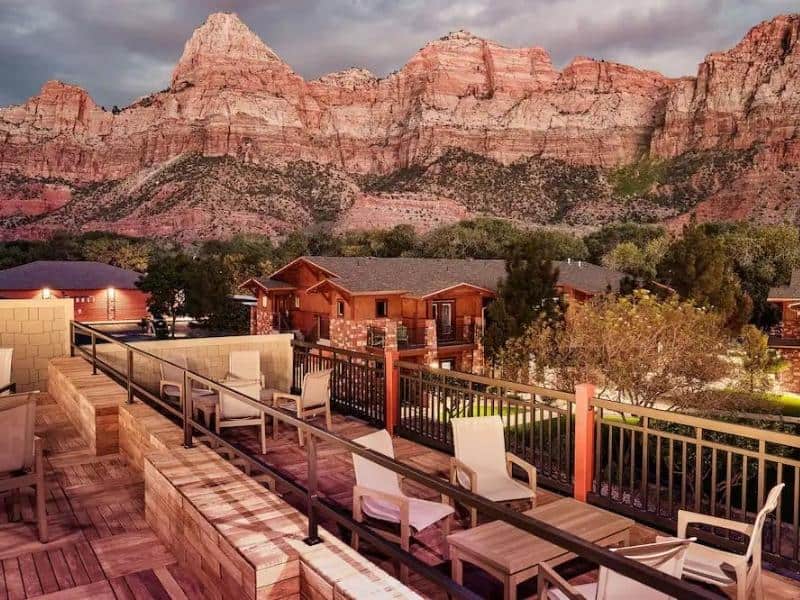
[(110, 293), (47, 293)]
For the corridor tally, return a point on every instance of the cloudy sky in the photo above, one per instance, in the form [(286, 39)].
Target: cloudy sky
[(122, 49)]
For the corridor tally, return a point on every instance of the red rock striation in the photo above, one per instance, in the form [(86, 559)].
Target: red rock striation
[(232, 95)]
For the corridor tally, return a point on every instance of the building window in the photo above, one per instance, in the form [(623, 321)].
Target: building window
[(340, 308), (381, 308)]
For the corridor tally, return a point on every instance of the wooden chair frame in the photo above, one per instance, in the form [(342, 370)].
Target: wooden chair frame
[(34, 478)]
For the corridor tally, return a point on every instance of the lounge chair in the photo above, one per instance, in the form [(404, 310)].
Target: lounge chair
[(171, 387), (667, 556), (314, 399), (722, 568), (6, 386), (233, 412), (245, 365), (482, 465), (21, 462), (378, 494)]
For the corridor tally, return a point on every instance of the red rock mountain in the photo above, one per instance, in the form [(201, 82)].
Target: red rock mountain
[(466, 125)]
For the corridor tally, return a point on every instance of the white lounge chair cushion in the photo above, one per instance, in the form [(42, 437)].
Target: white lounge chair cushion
[(706, 563), (233, 408), (480, 444), (244, 365), (500, 487), (422, 513)]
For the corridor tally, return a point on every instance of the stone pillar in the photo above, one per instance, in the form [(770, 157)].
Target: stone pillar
[(262, 323), (431, 342), (789, 378)]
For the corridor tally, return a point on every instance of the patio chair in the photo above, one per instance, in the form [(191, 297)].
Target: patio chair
[(377, 494), (245, 365), (314, 399), (21, 463), (667, 556), (6, 386), (233, 412), (171, 387), (482, 465), (722, 568)]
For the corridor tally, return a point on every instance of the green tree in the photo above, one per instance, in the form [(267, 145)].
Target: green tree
[(527, 293), (601, 242), (639, 262), (698, 267), (759, 361), (165, 282)]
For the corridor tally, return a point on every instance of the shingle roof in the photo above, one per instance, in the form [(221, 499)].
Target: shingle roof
[(787, 292), (67, 275), (273, 284), (587, 277), (416, 276)]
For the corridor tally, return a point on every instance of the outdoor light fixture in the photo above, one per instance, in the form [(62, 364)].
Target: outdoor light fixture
[(110, 293), (264, 301), (47, 293)]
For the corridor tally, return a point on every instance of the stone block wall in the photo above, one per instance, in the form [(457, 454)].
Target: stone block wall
[(37, 330), (790, 377), (207, 357)]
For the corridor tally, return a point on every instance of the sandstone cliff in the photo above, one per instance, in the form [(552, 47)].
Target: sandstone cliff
[(564, 137)]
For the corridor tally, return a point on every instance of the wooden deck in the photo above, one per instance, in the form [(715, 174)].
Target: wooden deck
[(101, 547)]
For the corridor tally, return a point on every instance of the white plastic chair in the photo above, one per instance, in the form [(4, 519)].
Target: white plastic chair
[(21, 463), (233, 412), (6, 355), (378, 494), (171, 386), (722, 568), (482, 465), (667, 556), (245, 365), (314, 399)]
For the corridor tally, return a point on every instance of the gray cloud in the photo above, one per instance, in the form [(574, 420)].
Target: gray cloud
[(122, 49)]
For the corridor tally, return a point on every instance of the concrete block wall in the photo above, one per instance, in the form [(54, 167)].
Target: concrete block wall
[(208, 357), (37, 330)]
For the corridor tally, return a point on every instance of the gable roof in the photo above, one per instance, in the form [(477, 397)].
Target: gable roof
[(786, 292), (588, 278), (67, 275), (415, 276)]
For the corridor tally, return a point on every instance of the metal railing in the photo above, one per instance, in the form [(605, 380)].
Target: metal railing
[(358, 383), (317, 505), (539, 422), (457, 333), (652, 463)]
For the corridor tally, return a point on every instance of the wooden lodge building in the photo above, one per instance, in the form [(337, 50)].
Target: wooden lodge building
[(100, 292), (429, 310)]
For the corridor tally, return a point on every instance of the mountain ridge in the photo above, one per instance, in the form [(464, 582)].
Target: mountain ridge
[(233, 96)]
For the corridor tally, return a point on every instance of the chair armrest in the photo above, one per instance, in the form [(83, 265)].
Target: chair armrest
[(276, 396), (455, 466), (685, 518), (548, 578), (361, 492), (165, 382), (513, 459)]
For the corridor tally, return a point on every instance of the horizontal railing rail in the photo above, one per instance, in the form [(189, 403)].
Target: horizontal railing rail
[(651, 463), (539, 422), (317, 505)]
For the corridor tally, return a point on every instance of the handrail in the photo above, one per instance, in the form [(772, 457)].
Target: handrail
[(488, 381), (773, 437), (572, 543)]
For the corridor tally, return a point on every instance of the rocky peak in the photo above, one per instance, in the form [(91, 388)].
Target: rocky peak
[(773, 39), (351, 78), (224, 52)]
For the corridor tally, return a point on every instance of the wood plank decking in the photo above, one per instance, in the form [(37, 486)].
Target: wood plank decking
[(101, 546)]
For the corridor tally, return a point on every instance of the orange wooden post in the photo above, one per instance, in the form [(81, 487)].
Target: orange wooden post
[(584, 441), (392, 388)]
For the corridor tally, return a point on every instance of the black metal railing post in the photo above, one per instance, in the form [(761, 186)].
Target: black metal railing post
[(71, 338), (312, 495), (186, 404), (130, 376), (94, 354)]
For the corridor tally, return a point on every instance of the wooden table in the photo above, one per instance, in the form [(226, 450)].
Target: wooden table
[(512, 555)]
